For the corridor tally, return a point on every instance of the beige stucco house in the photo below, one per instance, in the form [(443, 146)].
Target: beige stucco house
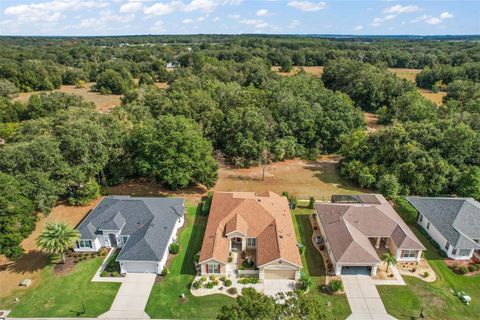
[(357, 230), (250, 234)]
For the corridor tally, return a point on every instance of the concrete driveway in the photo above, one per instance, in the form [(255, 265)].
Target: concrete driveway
[(132, 297), (363, 298), (272, 287)]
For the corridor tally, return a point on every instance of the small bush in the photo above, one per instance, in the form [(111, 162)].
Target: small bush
[(208, 285), (463, 270), (165, 272), (212, 277), (478, 266), (174, 248), (203, 279), (230, 259), (472, 268), (196, 285), (216, 282), (227, 283), (232, 291), (115, 274), (301, 248), (304, 283), (413, 269), (223, 278), (311, 204), (335, 285), (248, 280), (104, 274), (321, 247), (426, 274)]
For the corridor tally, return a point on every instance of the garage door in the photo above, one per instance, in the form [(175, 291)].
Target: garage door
[(354, 270), (279, 274), (140, 267)]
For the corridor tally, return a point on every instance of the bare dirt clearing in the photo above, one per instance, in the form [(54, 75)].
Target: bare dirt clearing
[(103, 102), (29, 265), (316, 71), (410, 74), (372, 122)]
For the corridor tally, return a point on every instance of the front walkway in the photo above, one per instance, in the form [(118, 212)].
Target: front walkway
[(363, 298), (132, 297)]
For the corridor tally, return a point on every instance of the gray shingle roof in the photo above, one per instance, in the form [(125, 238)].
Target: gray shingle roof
[(457, 219), (149, 223)]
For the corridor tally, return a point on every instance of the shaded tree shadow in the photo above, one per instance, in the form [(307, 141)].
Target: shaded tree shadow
[(314, 260), (194, 243), (29, 262)]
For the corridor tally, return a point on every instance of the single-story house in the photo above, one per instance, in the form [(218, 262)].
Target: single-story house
[(358, 229), (251, 234), (454, 223), (143, 229)]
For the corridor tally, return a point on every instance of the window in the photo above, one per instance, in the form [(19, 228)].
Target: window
[(213, 268), (428, 225), (464, 252), (85, 244), (454, 252), (421, 218), (251, 242), (124, 239), (476, 240), (409, 253), (447, 246)]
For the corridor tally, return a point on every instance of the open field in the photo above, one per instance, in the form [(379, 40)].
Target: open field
[(30, 265), (410, 74), (314, 267), (164, 301), (71, 295), (300, 177), (315, 70), (103, 102), (436, 299)]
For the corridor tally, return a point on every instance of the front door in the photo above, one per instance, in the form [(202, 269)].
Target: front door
[(113, 240)]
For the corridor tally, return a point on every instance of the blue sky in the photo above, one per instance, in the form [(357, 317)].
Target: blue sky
[(125, 17)]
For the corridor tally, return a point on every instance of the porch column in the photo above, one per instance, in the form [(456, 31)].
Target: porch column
[(374, 270), (419, 255), (244, 244), (377, 243)]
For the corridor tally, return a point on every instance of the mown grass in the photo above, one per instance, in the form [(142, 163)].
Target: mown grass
[(164, 301), (70, 295), (314, 267)]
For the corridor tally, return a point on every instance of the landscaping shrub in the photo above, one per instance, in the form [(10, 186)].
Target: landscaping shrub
[(335, 285), (478, 266), (472, 268), (227, 283), (304, 283), (223, 278), (203, 279), (311, 204), (115, 274), (174, 248), (321, 247), (213, 278), (209, 285), (230, 259), (426, 274), (112, 265), (165, 272), (463, 270), (232, 291), (104, 274), (216, 282), (248, 280), (196, 285), (301, 248)]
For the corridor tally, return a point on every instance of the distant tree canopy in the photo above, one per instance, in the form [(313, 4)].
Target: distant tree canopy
[(445, 74)]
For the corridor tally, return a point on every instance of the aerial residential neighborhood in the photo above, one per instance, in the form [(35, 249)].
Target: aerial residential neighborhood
[(239, 160)]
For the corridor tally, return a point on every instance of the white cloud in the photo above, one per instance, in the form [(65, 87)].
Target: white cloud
[(215, 19), (397, 9), (433, 20), (50, 11), (234, 16), (164, 8), (131, 7), (378, 21), (187, 21), (257, 23), (446, 15), (307, 5), (293, 24), (358, 28), (262, 12), (200, 19), (158, 27)]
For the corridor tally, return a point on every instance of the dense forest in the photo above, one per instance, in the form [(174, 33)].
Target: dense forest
[(224, 101)]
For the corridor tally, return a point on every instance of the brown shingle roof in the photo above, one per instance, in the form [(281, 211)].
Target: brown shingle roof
[(265, 217), (349, 225)]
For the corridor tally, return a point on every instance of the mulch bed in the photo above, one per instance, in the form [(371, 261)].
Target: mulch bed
[(63, 268)]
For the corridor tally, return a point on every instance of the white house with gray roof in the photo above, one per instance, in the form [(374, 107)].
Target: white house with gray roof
[(142, 228), (454, 223)]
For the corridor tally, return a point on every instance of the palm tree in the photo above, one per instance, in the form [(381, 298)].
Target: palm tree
[(57, 237), (389, 259)]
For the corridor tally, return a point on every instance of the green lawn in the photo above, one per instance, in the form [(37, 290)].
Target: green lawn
[(64, 296), (313, 266), (436, 299), (164, 300)]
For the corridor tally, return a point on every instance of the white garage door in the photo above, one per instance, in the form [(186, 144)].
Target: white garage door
[(140, 267), (279, 274)]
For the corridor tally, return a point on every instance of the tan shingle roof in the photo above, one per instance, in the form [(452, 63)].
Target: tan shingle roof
[(265, 217), (349, 225)]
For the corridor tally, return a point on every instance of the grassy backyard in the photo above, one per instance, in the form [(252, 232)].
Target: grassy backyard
[(71, 295), (437, 298), (164, 301), (313, 266)]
